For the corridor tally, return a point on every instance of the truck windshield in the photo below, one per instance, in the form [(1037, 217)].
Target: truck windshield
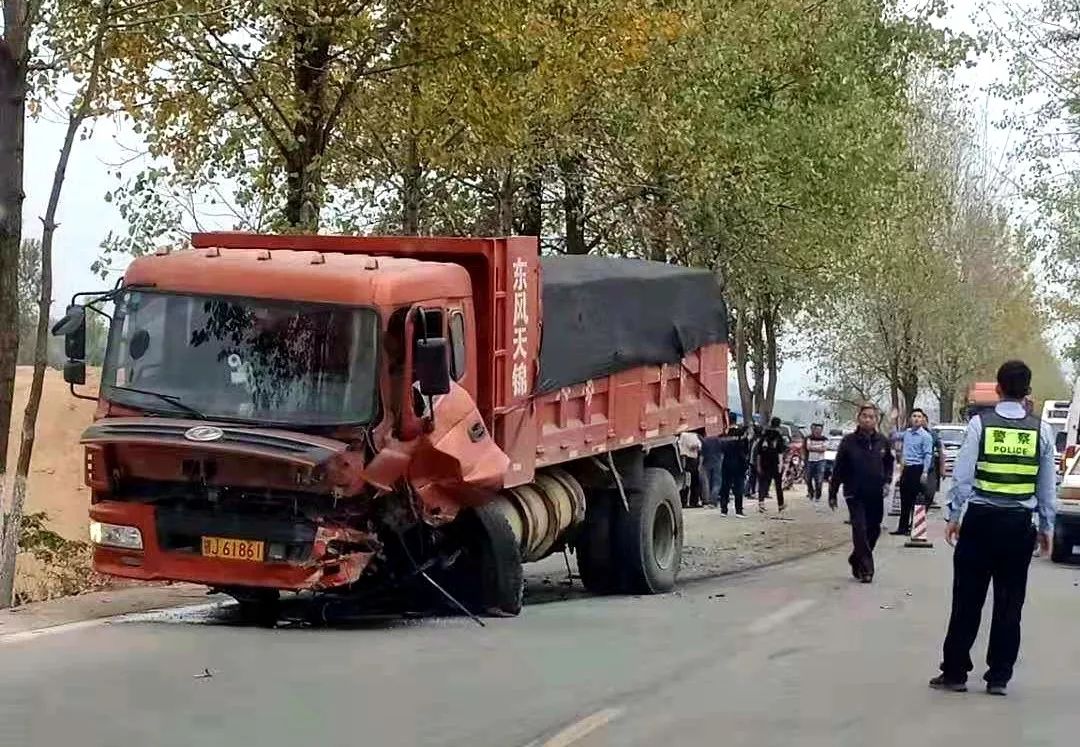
[(243, 359)]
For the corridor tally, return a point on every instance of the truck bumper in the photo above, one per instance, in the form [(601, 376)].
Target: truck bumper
[(324, 568)]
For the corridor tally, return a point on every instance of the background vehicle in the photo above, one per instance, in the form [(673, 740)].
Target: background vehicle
[(979, 395), (952, 437), (831, 447), (1066, 544), (348, 415), (1072, 430), (1055, 413)]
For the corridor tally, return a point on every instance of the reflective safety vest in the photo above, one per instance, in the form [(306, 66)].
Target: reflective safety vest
[(1008, 465)]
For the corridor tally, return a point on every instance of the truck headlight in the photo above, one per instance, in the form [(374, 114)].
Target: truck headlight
[(115, 535)]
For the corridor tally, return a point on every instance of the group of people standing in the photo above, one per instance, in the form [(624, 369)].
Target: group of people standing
[(743, 461)]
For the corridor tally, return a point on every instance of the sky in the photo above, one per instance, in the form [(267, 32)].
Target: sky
[(85, 217)]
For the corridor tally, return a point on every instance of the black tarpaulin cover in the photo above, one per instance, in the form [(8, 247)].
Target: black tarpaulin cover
[(603, 315)]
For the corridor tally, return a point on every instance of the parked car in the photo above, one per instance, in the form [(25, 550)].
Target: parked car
[(1067, 525), (952, 436)]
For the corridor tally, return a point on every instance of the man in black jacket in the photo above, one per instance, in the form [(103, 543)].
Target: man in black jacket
[(771, 448), (864, 465)]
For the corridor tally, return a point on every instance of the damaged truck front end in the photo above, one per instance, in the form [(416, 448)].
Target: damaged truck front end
[(258, 446), (224, 505)]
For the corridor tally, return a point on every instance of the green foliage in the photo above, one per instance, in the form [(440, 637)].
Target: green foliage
[(1042, 49), (776, 142), (952, 294), (62, 566)]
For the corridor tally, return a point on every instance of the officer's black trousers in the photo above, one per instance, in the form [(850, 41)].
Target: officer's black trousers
[(910, 492), (995, 545)]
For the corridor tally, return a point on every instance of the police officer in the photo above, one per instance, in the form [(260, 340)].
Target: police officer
[(1004, 472)]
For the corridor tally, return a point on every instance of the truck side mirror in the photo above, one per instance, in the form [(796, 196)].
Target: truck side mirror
[(73, 329), (431, 366), (75, 373)]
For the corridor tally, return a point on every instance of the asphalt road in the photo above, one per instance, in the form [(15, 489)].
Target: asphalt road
[(793, 654)]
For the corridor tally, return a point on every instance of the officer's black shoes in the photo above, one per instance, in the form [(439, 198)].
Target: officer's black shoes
[(994, 689), (941, 682), (867, 578)]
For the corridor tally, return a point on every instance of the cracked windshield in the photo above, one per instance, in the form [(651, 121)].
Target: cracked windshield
[(539, 373), (243, 359)]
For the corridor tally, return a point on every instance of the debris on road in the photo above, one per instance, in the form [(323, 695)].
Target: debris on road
[(203, 675)]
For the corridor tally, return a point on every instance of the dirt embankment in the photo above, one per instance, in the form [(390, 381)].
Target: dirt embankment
[(56, 476)]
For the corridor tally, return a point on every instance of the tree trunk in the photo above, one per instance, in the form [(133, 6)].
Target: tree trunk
[(9, 545), (745, 395), (303, 182), (771, 362), (947, 405), (909, 388), (411, 191), (662, 220), (505, 206), (532, 208), (574, 203), (757, 361), (13, 68)]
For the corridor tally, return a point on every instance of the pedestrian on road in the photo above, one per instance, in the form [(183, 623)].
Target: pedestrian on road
[(1003, 473), (814, 448), (770, 452), (937, 469), (736, 459), (753, 430), (712, 466), (864, 466), (690, 448), (916, 454)]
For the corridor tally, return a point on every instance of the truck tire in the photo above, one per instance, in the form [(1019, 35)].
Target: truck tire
[(594, 550), (257, 606), (1061, 552), (650, 535), (488, 578)]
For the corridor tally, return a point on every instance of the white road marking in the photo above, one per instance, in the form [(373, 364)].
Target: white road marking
[(580, 729), (74, 627), (780, 616)]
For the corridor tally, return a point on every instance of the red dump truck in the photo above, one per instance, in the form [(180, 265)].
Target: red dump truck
[(347, 414)]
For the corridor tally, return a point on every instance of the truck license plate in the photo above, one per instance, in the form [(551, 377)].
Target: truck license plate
[(232, 549)]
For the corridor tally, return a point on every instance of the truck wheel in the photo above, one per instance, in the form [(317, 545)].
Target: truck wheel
[(650, 536), (257, 606), (487, 577), (595, 558), (1060, 552)]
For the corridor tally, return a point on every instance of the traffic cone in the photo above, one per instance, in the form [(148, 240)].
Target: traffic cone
[(918, 529)]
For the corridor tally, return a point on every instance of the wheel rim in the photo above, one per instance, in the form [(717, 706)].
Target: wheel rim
[(663, 536)]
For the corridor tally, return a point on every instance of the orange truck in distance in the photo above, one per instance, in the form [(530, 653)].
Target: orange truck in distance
[(364, 416), (981, 395)]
